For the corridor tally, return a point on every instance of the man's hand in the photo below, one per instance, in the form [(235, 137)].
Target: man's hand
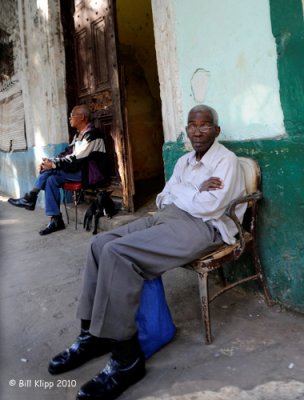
[(46, 164), (212, 183)]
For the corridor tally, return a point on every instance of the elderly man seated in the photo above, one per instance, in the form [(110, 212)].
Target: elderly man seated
[(190, 222), (69, 166)]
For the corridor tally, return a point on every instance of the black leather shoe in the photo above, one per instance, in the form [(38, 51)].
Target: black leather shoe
[(55, 224), (28, 201), (85, 348), (113, 380)]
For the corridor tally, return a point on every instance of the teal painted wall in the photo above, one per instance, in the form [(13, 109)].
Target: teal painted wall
[(281, 216), (19, 169)]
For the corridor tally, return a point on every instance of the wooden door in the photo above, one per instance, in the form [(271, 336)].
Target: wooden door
[(97, 80)]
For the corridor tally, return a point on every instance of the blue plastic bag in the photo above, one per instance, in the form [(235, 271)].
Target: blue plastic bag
[(155, 327)]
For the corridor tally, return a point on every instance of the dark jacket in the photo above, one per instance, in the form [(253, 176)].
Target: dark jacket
[(87, 154)]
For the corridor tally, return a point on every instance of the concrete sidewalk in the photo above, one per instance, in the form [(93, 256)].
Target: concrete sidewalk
[(256, 353)]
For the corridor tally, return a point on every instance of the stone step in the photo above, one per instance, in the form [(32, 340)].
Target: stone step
[(120, 218)]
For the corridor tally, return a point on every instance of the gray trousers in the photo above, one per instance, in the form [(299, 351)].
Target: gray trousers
[(121, 259)]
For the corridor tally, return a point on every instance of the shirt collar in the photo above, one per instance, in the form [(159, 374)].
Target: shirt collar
[(207, 157), (84, 131)]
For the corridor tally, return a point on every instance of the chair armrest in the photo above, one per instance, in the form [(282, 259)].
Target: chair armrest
[(230, 212)]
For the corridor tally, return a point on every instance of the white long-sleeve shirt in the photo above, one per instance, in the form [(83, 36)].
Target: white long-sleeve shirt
[(182, 189)]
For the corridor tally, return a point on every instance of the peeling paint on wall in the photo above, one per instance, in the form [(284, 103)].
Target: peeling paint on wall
[(8, 16), (199, 84), (40, 68), (243, 85), (168, 67), (43, 72)]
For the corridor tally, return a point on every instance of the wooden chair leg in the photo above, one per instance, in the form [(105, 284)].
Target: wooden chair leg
[(204, 295)]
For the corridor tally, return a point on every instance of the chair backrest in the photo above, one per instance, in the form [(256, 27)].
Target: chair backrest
[(252, 174)]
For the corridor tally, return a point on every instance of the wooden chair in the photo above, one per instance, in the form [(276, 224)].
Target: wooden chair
[(246, 242)]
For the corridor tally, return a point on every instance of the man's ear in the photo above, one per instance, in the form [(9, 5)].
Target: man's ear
[(217, 130)]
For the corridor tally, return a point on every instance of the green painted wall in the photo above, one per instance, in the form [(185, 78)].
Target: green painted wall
[(281, 216), (288, 30), (283, 210)]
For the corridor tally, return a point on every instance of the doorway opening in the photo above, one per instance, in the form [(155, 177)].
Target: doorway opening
[(141, 96)]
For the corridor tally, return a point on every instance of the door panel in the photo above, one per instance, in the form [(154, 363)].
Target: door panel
[(83, 73), (98, 87), (101, 72)]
